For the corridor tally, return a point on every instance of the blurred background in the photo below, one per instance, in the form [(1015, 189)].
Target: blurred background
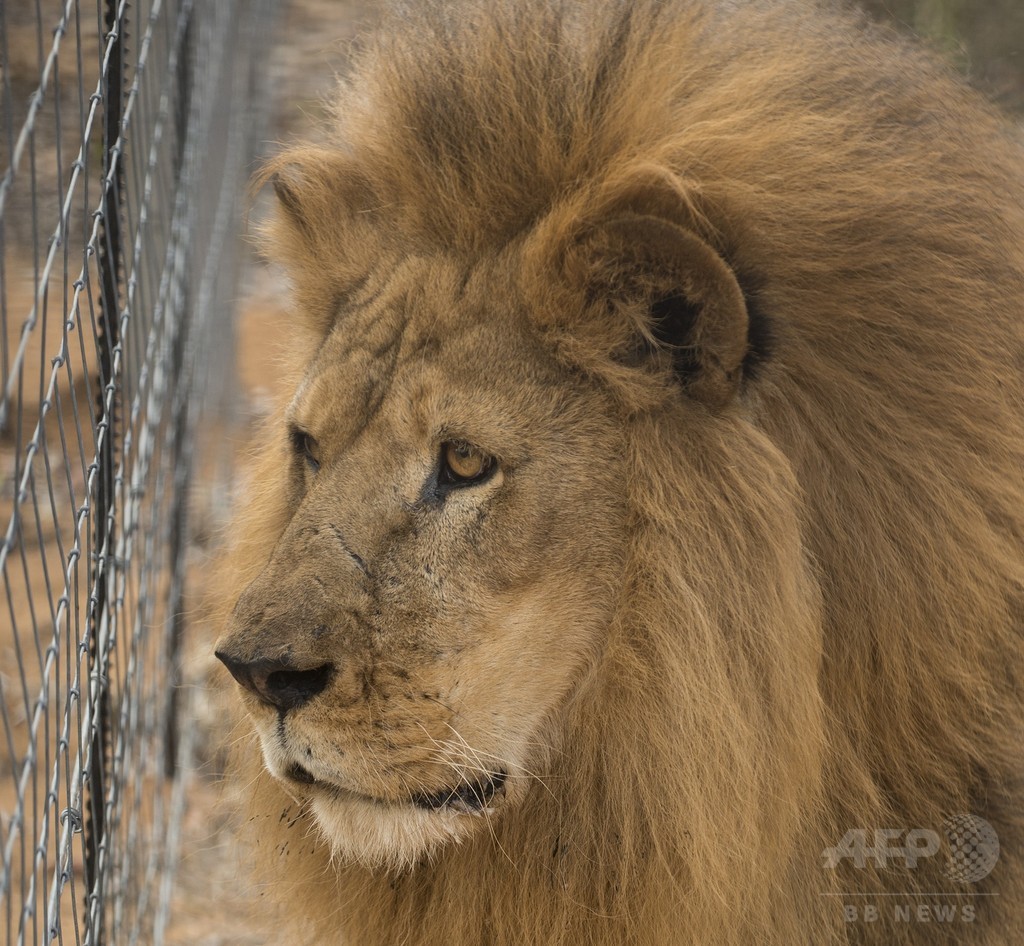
[(983, 38), (141, 345)]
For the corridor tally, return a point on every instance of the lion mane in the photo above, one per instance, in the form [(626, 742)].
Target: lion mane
[(778, 254)]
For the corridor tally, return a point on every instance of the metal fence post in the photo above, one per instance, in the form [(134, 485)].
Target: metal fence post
[(178, 538), (111, 261)]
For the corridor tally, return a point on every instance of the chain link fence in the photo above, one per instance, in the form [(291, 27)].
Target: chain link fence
[(127, 133)]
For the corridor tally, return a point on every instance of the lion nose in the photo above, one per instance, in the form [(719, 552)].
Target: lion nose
[(276, 682)]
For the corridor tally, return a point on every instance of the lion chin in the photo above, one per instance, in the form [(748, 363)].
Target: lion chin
[(393, 834), (646, 515), (390, 836), (391, 830)]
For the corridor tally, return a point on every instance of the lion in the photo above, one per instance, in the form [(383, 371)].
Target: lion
[(639, 557)]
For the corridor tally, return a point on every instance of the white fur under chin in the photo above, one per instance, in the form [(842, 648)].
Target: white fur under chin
[(389, 837)]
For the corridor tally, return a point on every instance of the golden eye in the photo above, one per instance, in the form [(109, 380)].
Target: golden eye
[(462, 463)]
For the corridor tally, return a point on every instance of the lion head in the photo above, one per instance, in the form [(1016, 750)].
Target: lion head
[(641, 480), (441, 585), (458, 511)]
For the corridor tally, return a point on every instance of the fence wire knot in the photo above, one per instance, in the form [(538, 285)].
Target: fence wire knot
[(73, 817)]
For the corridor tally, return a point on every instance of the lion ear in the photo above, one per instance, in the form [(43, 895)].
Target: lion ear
[(682, 303), (291, 192), (315, 187), (323, 231)]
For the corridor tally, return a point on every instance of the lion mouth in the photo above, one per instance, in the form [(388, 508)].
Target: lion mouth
[(466, 798), (470, 797)]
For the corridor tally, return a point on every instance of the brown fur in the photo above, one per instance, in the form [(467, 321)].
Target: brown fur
[(744, 580)]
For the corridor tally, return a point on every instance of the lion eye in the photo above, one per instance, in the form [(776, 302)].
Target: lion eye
[(306, 447), (462, 463)]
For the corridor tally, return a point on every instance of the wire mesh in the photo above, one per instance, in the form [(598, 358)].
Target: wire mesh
[(127, 134)]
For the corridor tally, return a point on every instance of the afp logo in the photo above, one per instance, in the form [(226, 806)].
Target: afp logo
[(972, 848)]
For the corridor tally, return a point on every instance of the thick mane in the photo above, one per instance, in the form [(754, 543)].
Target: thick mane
[(494, 112), (820, 626), (473, 119)]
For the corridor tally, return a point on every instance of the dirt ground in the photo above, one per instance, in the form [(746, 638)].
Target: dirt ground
[(214, 904)]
